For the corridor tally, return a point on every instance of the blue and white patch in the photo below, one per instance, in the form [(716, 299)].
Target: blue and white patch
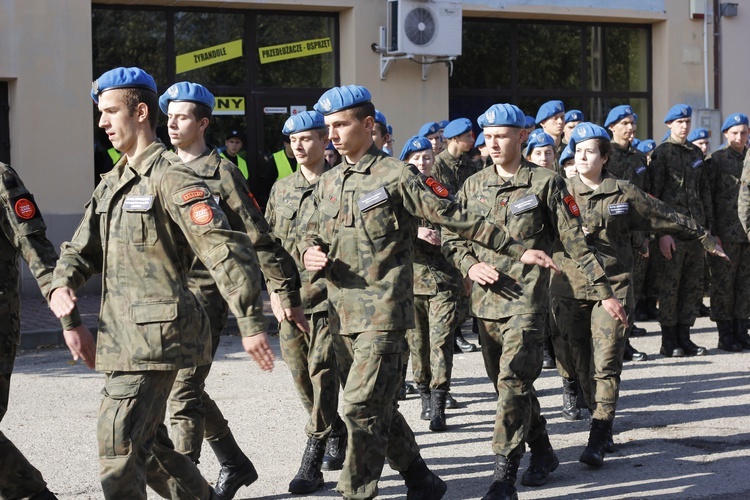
[(640, 170), (525, 204), (697, 163), (618, 208)]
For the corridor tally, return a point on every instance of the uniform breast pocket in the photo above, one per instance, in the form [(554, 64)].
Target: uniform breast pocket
[(329, 218), (378, 221), (154, 320), (528, 225), (285, 216), (141, 228)]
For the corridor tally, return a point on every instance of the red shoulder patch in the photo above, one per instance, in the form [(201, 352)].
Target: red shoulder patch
[(201, 214), (437, 188), (191, 195), (255, 202), (572, 205), (25, 208)]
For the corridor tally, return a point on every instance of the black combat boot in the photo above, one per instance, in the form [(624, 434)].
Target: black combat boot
[(309, 479), (548, 361), (570, 410), (437, 419), (421, 482), (45, 494), (651, 310), (630, 354), (503, 485), (425, 396), (460, 344), (450, 402), (727, 340), (683, 337), (543, 461), (236, 469), (669, 346), (640, 311), (703, 310), (637, 331), (335, 447), (593, 455), (740, 333)]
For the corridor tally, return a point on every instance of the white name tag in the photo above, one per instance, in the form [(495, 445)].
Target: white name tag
[(138, 203), (618, 208), (525, 204), (372, 199)]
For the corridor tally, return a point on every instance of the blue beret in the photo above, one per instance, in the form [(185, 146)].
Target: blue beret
[(502, 115), (530, 122), (122, 78), (634, 142), (678, 111), (548, 109), (301, 122), (341, 98), (380, 118), (443, 123), (697, 134), (735, 119), (567, 154), (457, 127), (390, 130), (479, 142), (646, 146), (618, 113), (574, 115), (186, 91), (538, 139), (414, 144), (585, 131), (429, 128)]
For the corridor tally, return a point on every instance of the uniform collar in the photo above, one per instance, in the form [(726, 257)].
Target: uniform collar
[(301, 182), (686, 144), (522, 176), (370, 157), (207, 164), (142, 163), (608, 186)]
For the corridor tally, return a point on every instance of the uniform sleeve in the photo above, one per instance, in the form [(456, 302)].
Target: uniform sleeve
[(426, 198), (227, 254), (657, 173), (313, 234), (706, 196), (277, 265), (459, 251), (743, 203), (271, 208)]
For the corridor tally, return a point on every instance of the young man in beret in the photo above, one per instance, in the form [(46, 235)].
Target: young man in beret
[(551, 117), (431, 131)]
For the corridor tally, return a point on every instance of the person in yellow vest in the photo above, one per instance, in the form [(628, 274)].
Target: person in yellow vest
[(233, 146), (284, 160)]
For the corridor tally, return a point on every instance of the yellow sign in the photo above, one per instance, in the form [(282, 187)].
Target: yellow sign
[(229, 106), (294, 50), (208, 56)]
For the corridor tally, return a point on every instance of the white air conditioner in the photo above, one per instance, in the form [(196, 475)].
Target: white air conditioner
[(424, 27)]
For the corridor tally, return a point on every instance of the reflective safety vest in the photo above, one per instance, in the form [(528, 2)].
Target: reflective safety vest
[(114, 155), (283, 167), (241, 164)]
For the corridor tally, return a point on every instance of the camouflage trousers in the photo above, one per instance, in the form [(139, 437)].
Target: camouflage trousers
[(18, 478), (311, 360), (193, 415), (134, 447), (654, 264), (376, 429), (638, 276), (512, 349), (681, 284), (597, 342), (561, 344), (730, 290), (431, 341)]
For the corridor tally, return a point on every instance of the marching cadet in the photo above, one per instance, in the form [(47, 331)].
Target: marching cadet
[(363, 237), (193, 414), (678, 177), (611, 209), (572, 119), (730, 290), (484, 160), (431, 131), (23, 233), (309, 355), (146, 220), (647, 147), (540, 150), (380, 134), (534, 206), (551, 117), (701, 138)]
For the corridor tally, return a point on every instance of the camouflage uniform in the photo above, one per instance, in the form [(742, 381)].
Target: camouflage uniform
[(367, 224), (193, 413), (678, 177), (730, 293), (23, 233), (611, 213), (537, 210), (144, 217), (310, 357)]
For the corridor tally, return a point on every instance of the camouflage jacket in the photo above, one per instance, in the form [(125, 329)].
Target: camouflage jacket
[(367, 224), (289, 210), (611, 213), (23, 233), (678, 176), (743, 202), (229, 189), (452, 172), (537, 210), (725, 166), (628, 164), (432, 271), (146, 220)]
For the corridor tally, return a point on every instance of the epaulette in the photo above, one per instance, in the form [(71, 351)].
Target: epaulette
[(171, 157)]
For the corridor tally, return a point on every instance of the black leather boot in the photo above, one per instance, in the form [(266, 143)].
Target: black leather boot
[(421, 482), (309, 478), (593, 454), (609, 445), (683, 337), (727, 340), (640, 311), (236, 469), (503, 485), (570, 410), (437, 418), (630, 354), (548, 361), (703, 310), (45, 494), (425, 396), (543, 461), (636, 331), (462, 344), (740, 333), (450, 402), (651, 310), (669, 346), (335, 454)]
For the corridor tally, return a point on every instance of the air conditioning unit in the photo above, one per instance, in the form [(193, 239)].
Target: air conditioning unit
[(424, 27)]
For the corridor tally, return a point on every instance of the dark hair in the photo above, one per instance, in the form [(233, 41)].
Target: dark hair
[(132, 97), (605, 149), (362, 111), (382, 129)]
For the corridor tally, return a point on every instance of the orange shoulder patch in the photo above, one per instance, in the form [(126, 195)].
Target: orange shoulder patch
[(572, 205), (191, 195), (25, 209), (201, 214), (437, 188)]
